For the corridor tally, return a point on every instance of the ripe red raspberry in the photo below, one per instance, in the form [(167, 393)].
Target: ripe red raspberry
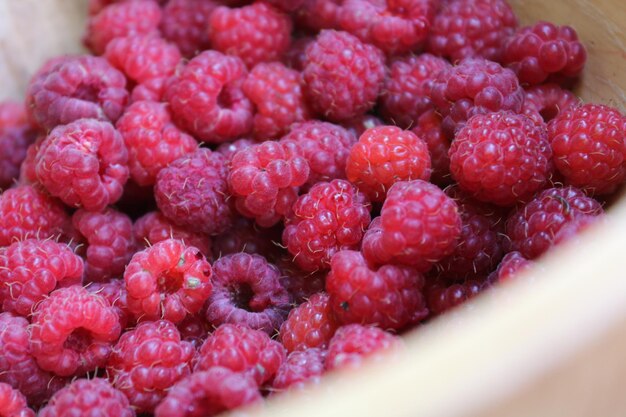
[(152, 140), (184, 23), (192, 192), (472, 28), (301, 369), (533, 227), (428, 128), (443, 295), (229, 149), (241, 350), (13, 403), (72, 88), (354, 343), (114, 291), (247, 291), (358, 125), (26, 212), (246, 236), (474, 86), (88, 397), (589, 146), (296, 54), (31, 269), (343, 76), (209, 393), (73, 331), (501, 158), (543, 49), (287, 5), (147, 361), (511, 265), (331, 217), (319, 14), (276, 92), (549, 100), (110, 245), (167, 281), (137, 17), (264, 178), (419, 225), (300, 285), (16, 134), (310, 325), (206, 98), (385, 155)]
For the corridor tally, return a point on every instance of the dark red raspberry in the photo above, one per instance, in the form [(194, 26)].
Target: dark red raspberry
[(538, 51), (194, 329), (247, 291), (406, 93), (276, 92), (184, 23), (115, 293), (264, 178), (152, 140), (206, 98), (229, 149), (74, 88), (73, 331), (137, 17), (13, 403), (343, 76), (353, 344), (246, 236), (310, 325), (110, 244), (301, 369), (192, 192), (358, 125), (209, 393), (168, 280), (319, 14), (549, 100), (300, 285), (589, 146), (147, 361), (95, 6), (296, 54), (511, 265), (26, 212), (241, 350), (443, 295), (16, 134), (428, 128), (331, 217), (287, 5), (474, 86), (419, 225), (501, 158), (533, 227), (87, 397), (28, 174), (385, 155), (472, 28)]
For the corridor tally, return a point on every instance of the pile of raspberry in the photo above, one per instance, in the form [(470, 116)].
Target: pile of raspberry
[(228, 200)]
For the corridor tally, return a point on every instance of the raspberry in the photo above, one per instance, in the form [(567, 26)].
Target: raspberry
[(343, 76), (472, 28), (310, 325), (243, 350), (300, 285), (319, 14), (501, 158), (276, 92), (192, 192), (443, 295), (168, 280), (114, 291), (147, 361), (137, 17), (428, 128), (26, 212), (13, 403), (589, 146), (73, 331), (264, 178), (511, 265), (28, 174), (209, 393), (32, 269), (301, 369), (572, 230), (206, 98), (255, 33), (538, 51), (153, 141), (296, 54), (549, 100), (419, 225), (110, 245), (74, 88), (15, 134), (287, 5), (474, 86), (184, 23), (194, 329), (358, 125), (385, 155), (88, 397), (406, 93), (533, 227), (354, 343), (151, 90), (229, 149), (331, 217), (245, 236), (247, 291)]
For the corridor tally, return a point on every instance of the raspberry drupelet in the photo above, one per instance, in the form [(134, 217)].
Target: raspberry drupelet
[(84, 163), (147, 361), (168, 280), (300, 285), (73, 331), (385, 155), (28, 174), (247, 291), (114, 291), (229, 149), (319, 14), (246, 236), (358, 125), (511, 265), (353, 344), (13, 403), (287, 5), (194, 329), (428, 128), (343, 76), (549, 100), (310, 325), (300, 370), (443, 295), (184, 23), (15, 134)]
